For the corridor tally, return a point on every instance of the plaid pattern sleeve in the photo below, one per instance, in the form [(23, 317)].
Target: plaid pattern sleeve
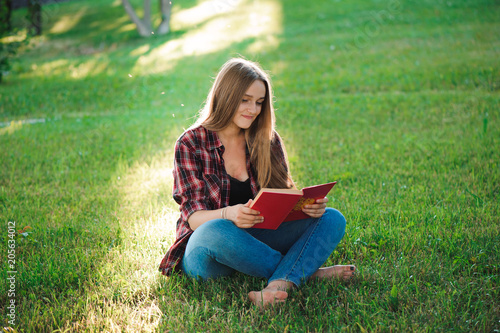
[(189, 187), (200, 183)]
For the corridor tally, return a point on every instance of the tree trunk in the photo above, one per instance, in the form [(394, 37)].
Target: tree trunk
[(143, 29), (35, 17), (5, 15), (147, 15), (164, 27)]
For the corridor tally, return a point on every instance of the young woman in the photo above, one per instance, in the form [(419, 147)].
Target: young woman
[(220, 165)]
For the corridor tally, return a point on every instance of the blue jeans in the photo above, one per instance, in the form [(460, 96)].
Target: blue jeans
[(292, 253)]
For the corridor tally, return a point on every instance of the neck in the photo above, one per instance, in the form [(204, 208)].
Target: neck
[(231, 133)]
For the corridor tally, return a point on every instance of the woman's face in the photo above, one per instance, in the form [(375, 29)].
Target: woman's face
[(251, 105)]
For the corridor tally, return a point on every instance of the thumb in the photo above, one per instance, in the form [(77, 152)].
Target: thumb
[(249, 203)]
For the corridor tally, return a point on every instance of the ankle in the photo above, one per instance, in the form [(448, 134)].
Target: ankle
[(282, 285)]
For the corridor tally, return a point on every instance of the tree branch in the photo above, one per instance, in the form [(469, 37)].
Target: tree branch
[(141, 27), (164, 27), (147, 15)]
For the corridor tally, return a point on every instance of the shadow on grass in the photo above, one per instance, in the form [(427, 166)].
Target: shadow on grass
[(122, 74), (95, 184), (73, 201)]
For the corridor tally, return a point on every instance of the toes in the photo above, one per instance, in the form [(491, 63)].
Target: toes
[(280, 295), (348, 272), (265, 298), (351, 272)]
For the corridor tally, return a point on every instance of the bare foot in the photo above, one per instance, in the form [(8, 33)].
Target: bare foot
[(275, 292), (344, 272), (265, 297)]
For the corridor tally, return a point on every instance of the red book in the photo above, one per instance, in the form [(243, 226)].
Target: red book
[(283, 205)]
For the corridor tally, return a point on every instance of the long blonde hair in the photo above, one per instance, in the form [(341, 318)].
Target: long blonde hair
[(233, 80)]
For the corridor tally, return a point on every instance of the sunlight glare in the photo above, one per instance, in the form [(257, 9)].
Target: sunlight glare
[(127, 27), (55, 67), (93, 66), (140, 50), (236, 24), (146, 190), (67, 22), (12, 127), (202, 12), (18, 37)]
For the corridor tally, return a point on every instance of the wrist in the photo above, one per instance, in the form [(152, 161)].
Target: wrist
[(223, 213)]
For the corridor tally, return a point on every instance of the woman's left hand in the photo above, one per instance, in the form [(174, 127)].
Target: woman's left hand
[(316, 209)]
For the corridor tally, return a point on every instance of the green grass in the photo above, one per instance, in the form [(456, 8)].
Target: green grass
[(397, 100)]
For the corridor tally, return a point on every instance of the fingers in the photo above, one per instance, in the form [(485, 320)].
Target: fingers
[(247, 210), (323, 200), (314, 213), (247, 217), (318, 204), (315, 206), (250, 211), (248, 222), (317, 209)]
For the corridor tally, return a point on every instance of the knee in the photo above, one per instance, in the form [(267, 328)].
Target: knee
[(214, 225), (336, 221), (211, 232)]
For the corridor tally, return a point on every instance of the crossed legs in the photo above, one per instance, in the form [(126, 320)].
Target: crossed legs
[(287, 257)]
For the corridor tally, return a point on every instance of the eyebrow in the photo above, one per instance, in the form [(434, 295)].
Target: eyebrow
[(252, 96)]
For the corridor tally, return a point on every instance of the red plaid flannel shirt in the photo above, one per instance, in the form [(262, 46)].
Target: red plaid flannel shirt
[(201, 183)]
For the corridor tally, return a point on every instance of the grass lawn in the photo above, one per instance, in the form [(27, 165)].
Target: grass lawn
[(398, 100)]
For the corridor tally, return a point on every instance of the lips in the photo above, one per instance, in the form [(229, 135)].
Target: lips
[(247, 117)]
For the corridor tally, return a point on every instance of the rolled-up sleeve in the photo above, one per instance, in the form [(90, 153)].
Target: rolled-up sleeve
[(189, 187)]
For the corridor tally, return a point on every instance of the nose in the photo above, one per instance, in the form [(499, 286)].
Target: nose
[(252, 109)]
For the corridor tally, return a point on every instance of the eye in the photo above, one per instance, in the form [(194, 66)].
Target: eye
[(260, 103), (244, 100)]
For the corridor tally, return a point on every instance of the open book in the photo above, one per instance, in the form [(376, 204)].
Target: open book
[(283, 205)]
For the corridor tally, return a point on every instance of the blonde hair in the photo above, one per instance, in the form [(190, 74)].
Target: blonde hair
[(233, 80)]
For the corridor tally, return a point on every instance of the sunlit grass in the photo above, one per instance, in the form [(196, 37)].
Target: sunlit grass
[(65, 23), (216, 31), (406, 120), (202, 12), (129, 278)]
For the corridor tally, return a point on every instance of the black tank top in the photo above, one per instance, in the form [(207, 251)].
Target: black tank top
[(240, 192)]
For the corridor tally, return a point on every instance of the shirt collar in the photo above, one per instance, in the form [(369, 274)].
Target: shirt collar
[(213, 141)]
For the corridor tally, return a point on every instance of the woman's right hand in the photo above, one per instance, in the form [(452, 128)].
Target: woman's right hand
[(243, 216)]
